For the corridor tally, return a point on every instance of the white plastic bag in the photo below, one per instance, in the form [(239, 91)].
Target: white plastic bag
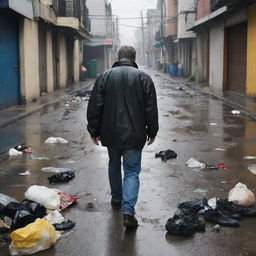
[(252, 168), (14, 152), (241, 195), (4, 199), (193, 163), (54, 140), (35, 237), (49, 198), (54, 217)]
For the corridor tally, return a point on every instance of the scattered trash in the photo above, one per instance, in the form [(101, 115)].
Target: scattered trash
[(221, 165), (166, 155), (185, 225), (4, 226), (241, 195), (32, 157), (249, 157), (71, 162), (4, 200), (200, 190), (55, 170), (54, 217), (24, 149), (220, 149), (49, 198), (212, 203), (213, 124), (212, 167), (14, 152), (223, 182), (23, 213), (66, 200), (26, 173), (37, 236), (193, 163), (65, 225), (179, 88), (235, 112), (252, 168), (61, 177), (216, 228), (54, 140)]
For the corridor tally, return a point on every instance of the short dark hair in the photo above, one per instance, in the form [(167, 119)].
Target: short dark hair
[(127, 52)]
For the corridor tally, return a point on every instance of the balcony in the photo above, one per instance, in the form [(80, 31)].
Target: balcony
[(73, 12), (216, 4)]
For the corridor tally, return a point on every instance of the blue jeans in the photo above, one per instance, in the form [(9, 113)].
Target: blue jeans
[(126, 192)]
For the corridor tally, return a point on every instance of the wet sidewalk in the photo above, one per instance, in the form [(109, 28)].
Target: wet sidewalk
[(18, 112), (246, 105)]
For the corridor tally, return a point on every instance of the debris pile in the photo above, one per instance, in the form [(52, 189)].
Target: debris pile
[(193, 215)]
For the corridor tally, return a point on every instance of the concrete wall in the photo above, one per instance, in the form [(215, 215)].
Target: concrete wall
[(97, 7), (29, 60), (251, 52), (186, 21), (171, 12), (216, 57), (203, 8), (62, 66), (76, 61), (49, 62)]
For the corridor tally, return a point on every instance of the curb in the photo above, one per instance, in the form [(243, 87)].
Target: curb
[(37, 109), (226, 102)]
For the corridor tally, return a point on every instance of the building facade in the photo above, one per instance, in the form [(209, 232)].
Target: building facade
[(40, 47)]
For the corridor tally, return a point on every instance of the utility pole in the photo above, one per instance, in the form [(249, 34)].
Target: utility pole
[(162, 30), (143, 38)]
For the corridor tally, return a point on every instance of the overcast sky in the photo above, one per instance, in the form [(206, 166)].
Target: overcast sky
[(127, 9)]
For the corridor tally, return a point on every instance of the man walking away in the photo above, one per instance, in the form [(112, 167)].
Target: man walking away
[(122, 113)]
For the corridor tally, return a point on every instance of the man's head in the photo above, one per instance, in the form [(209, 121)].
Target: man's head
[(127, 52)]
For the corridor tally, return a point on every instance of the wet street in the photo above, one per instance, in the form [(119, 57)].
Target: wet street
[(192, 125)]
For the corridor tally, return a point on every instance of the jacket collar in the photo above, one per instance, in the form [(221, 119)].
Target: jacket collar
[(125, 62)]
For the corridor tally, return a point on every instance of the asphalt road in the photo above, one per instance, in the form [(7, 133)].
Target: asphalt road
[(190, 124)]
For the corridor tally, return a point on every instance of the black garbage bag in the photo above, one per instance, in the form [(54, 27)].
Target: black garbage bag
[(217, 217), (61, 177), (65, 225), (166, 155), (184, 225), (232, 209), (23, 214), (193, 207)]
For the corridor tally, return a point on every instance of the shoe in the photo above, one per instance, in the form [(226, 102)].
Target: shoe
[(218, 217), (130, 221), (116, 205)]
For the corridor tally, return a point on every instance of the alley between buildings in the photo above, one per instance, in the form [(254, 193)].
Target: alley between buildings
[(191, 124)]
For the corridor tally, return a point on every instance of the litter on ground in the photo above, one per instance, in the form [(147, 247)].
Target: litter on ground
[(55, 170), (166, 155), (249, 158), (26, 173), (252, 168), (54, 140), (193, 163), (14, 152)]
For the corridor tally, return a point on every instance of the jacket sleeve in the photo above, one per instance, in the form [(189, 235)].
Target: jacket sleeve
[(151, 110), (96, 107)]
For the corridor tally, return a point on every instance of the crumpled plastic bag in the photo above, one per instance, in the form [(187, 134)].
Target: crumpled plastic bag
[(37, 236), (65, 225), (66, 200), (241, 195), (54, 140), (193, 163), (23, 213), (54, 217), (49, 198), (4, 199), (14, 152), (61, 177)]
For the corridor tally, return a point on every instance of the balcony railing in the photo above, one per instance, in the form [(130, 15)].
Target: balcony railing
[(73, 8)]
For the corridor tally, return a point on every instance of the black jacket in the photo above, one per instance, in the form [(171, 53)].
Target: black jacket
[(122, 109)]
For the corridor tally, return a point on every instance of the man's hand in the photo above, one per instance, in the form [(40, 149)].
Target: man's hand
[(95, 140), (150, 141)]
